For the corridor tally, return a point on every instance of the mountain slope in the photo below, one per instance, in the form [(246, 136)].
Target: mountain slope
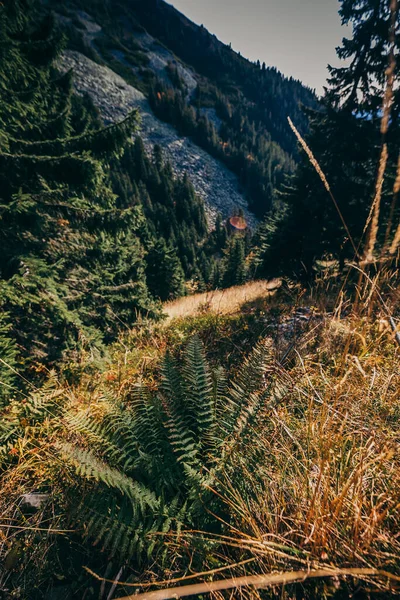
[(274, 100), (234, 110), (114, 98)]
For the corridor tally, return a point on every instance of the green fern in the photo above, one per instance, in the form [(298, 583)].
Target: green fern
[(200, 392), (179, 421), (134, 473), (247, 392), (170, 446), (87, 466), (25, 419)]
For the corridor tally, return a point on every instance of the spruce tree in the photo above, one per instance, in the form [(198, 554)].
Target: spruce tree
[(220, 234), (61, 226), (165, 276), (359, 86), (235, 265), (346, 141)]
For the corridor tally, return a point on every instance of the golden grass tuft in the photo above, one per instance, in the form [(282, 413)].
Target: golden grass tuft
[(222, 302)]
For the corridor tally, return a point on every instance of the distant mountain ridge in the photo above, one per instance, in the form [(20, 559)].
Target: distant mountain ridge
[(201, 49)]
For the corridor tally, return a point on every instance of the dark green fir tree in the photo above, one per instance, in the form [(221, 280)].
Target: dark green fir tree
[(165, 276), (62, 233), (346, 140), (234, 263)]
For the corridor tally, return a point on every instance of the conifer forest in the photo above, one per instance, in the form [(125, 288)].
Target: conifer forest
[(199, 309)]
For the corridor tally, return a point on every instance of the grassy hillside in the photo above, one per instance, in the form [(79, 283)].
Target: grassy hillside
[(297, 470), (240, 442)]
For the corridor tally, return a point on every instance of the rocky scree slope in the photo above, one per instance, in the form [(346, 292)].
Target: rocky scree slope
[(115, 98)]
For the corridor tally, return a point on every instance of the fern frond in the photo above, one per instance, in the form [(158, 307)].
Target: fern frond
[(120, 429), (220, 387), (180, 437), (149, 428), (154, 449), (10, 429), (199, 391), (173, 401), (244, 393), (87, 466), (112, 522), (83, 425), (109, 524), (42, 403), (19, 417)]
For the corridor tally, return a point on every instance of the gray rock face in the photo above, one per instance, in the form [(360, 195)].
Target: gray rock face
[(160, 57), (212, 181), (92, 27), (33, 501), (211, 115)]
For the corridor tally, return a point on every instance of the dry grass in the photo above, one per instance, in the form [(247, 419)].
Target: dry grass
[(320, 488), (321, 479), (223, 302), (330, 482)]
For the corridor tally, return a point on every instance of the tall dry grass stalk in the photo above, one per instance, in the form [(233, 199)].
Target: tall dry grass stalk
[(390, 72), (323, 178), (386, 113), (376, 206), (389, 225), (259, 582), (396, 187), (396, 240)]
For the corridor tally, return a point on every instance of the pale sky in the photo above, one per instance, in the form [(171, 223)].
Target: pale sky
[(298, 37)]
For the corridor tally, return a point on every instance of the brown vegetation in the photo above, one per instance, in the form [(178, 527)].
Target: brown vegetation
[(221, 302)]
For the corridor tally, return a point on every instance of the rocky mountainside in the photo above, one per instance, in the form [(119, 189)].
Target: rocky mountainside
[(114, 98), (234, 146)]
